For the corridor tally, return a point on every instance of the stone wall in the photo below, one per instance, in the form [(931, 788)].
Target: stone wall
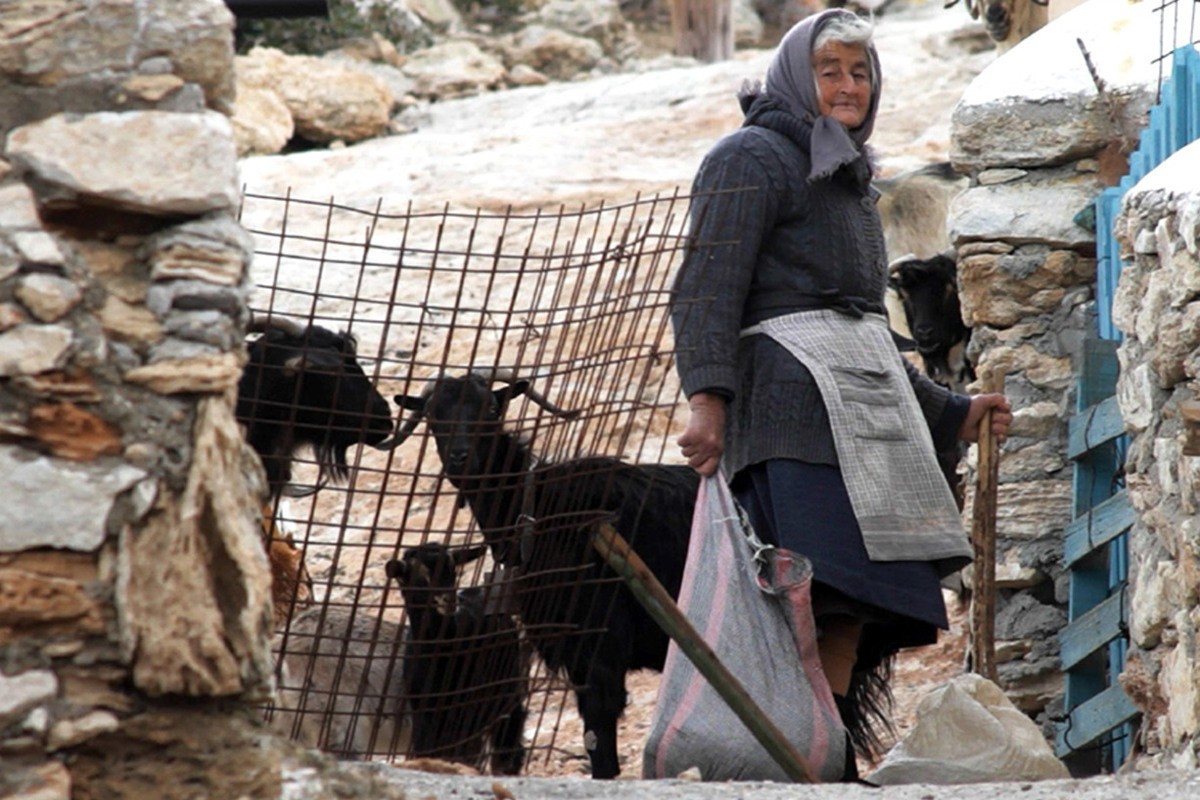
[(1040, 142), (132, 578), (1157, 307)]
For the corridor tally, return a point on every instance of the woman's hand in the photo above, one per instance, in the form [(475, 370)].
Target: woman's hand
[(703, 441), (1001, 417)]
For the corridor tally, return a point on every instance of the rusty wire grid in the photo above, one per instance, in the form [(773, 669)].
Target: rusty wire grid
[(574, 299), (1176, 26)]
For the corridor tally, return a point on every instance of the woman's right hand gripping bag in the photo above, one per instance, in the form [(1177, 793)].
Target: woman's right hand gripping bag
[(752, 605)]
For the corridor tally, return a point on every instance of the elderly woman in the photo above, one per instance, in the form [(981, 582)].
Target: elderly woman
[(795, 387)]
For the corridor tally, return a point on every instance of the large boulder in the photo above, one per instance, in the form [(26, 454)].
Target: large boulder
[(454, 69), (599, 20), (329, 101), (554, 52)]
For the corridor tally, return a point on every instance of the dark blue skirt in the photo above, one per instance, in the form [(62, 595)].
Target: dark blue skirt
[(804, 508)]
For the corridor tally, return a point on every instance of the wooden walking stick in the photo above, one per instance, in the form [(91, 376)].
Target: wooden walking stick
[(983, 604)]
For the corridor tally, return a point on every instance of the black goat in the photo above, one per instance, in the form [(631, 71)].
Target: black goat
[(465, 671), (579, 615), (303, 386), (928, 289)]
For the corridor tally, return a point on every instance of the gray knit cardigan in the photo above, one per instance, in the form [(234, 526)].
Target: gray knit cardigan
[(765, 241)]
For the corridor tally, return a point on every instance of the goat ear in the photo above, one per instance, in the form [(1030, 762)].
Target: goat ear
[(409, 402), (395, 569), (470, 554)]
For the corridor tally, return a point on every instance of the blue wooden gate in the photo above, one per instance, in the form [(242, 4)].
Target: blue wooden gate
[(1096, 731)]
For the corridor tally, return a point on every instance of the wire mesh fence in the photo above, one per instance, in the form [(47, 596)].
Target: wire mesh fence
[(1176, 27), (386, 652)]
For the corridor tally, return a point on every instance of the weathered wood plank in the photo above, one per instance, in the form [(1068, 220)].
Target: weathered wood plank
[(983, 601), (1092, 630), (1093, 427), (1091, 720), (1097, 527)]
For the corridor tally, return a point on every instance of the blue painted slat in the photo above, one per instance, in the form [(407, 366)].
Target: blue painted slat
[(1092, 631), (1095, 544), (1093, 427), (1097, 526), (1091, 720)]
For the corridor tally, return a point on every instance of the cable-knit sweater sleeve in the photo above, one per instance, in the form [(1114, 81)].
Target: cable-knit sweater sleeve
[(735, 204), (943, 409)]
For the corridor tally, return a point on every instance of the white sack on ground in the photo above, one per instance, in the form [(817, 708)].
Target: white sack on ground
[(968, 731)]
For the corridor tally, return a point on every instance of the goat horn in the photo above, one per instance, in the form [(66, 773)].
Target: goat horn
[(296, 490), (405, 429), (899, 260), (509, 375), (264, 323)]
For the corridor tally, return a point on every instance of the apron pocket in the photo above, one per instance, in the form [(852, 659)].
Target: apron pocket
[(872, 403)]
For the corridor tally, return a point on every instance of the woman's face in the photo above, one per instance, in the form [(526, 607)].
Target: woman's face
[(843, 82)]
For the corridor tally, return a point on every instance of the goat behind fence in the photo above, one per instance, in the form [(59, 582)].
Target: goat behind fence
[(575, 297)]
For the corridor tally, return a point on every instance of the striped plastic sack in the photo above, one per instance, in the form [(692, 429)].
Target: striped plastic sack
[(751, 604)]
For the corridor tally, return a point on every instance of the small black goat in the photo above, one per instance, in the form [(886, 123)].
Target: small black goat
[(579, 615), (303, 386), (465, 671), (928, 289)]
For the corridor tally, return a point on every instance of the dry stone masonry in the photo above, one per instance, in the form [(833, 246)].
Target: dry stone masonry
[(132, 577), (1040, 142), (1157, 307)]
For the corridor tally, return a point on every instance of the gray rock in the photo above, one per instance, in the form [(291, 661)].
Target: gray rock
[(51, 502), (146, 162), (1038, 209), (33, 349), (48, 297), (23, 692)]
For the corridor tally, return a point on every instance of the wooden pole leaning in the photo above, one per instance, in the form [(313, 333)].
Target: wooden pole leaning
[(651, 594), (983, 603)]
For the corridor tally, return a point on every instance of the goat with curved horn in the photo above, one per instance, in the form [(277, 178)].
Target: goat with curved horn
[(302, 387), (508, 375), (537, 517), (418, 405)]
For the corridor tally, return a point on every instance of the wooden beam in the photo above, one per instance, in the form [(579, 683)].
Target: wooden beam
[(983, 597), (1097, 527), (1093, 427), (1092, 630), (1092, 719)]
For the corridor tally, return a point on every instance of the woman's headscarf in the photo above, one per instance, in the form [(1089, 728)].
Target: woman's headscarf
[(792, 84)]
